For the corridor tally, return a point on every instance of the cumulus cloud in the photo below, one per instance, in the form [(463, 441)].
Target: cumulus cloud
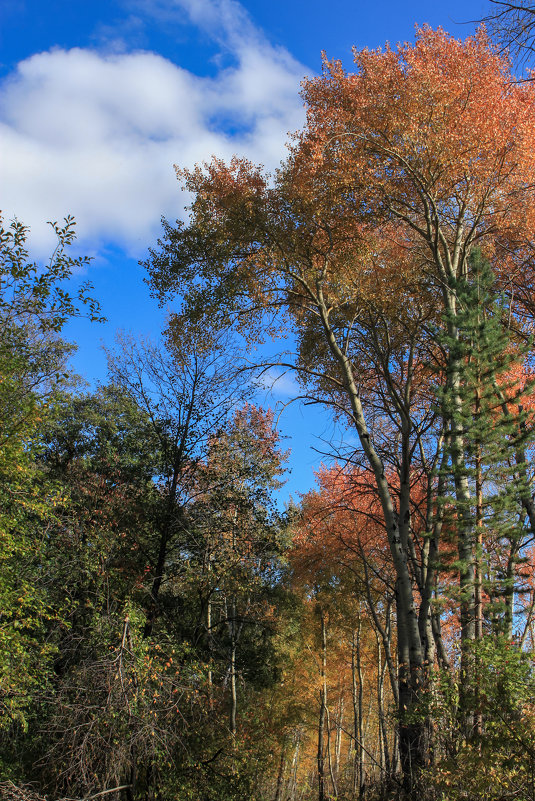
[(96, 134)]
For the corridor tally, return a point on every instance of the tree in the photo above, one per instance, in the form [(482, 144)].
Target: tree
[(357, 245), (492, 419), (238, 538), (341, 569), (187, 393), (35, 303), (490, 427)]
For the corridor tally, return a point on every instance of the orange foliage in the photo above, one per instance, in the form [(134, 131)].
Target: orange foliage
[(341, 522), (432, 138)]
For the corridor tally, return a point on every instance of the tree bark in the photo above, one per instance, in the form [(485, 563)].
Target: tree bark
[(383, 731), (232, 671), (280, 774), (323, 707)]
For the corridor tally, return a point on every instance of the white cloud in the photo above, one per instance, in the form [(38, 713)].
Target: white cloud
[(96, 134), (279, 384)]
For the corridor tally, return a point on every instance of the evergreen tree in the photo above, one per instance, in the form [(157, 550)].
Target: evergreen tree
[(486, 427)]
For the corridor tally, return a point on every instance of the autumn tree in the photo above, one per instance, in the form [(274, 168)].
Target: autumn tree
[(141, 556), (161, 703), (357, 244), (237, 537), (340, 560)]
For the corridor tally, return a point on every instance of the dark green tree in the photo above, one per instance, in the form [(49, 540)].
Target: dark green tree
[(485, 488)]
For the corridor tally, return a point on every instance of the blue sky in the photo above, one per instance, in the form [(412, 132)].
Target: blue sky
[(99, 99)]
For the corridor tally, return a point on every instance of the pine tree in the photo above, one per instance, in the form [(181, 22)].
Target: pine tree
[(481, 404)]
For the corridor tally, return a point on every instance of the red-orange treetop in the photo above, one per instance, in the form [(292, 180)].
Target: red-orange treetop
[(433, 135)]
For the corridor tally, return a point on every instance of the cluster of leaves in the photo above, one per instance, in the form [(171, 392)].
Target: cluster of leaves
[(503, 746)]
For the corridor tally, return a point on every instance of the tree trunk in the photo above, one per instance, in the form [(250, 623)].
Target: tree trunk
[(478, 600), (338, 740), (232, 671), (323, 706), (210, 649), (292, 785), (465, 523), (383, 731), (357, 694), (280, 774)]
